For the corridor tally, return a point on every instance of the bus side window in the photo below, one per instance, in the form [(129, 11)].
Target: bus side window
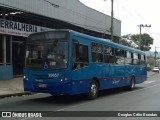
[(143, 60), (128, 58), (97, 52), (79, 56)]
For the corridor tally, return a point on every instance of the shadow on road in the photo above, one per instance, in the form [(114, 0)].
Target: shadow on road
[(72, 99), (46, 102)]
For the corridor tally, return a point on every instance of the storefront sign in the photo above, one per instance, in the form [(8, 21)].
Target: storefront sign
[(19, 29)]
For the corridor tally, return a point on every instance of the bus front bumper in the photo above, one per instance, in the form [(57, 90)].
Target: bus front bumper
[(53, 88)]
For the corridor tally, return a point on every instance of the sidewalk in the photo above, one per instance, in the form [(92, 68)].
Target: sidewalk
[(14, 87)]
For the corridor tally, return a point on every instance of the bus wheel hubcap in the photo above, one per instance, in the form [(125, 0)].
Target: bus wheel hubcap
[(94, 89), (132, 83)]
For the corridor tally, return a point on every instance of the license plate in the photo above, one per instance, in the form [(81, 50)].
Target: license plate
[(42, 85)]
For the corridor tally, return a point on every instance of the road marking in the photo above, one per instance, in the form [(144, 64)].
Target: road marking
[(62, 109), (141, 89), (148, 82)]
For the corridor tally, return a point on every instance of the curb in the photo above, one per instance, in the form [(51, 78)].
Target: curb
[(151, 75), (16, 94)]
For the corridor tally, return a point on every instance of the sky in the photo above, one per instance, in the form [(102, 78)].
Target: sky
[(132, 13)]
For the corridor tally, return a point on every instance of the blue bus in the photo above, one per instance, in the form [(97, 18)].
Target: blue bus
[(68, 62)]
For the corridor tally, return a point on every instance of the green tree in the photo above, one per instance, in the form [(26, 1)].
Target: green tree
[(146, 41), (127, 41), (133, 41)]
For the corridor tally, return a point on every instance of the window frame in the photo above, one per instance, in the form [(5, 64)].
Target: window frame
[(97, 52), (77, 62)]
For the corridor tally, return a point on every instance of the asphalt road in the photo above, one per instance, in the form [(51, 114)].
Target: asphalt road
[(146, 97)]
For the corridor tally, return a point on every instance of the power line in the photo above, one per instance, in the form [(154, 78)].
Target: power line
[(137, 17), (153, 33), (130, 15), (141, 16), (54, 5), (125, 14)]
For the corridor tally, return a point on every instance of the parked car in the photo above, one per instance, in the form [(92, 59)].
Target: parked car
[(155, 69)]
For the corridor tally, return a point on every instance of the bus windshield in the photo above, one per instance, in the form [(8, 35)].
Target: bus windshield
[(45, 52)]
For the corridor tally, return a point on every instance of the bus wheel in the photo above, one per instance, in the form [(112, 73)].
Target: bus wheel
[(55, 95), (132, 84), (93, 90)]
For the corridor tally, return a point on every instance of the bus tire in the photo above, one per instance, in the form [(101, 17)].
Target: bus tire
[(55, 95), (93, 90), (132, 84)]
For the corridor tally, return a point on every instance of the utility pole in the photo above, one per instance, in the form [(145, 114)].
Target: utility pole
[(112, 20), (140, 26), (156, 55), (111, 29)]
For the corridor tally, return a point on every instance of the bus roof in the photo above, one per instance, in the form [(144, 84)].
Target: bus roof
[(107, 42), (98, 40)]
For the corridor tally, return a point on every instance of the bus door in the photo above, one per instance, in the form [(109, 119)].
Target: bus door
[(80, 63)]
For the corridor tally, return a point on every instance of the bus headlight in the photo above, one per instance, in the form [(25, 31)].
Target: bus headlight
[(64, 78), (25, 77)]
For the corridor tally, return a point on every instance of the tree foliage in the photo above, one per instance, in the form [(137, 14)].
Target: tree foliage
[(133, 41)]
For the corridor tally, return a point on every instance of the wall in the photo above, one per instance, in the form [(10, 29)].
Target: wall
[(6, 72)]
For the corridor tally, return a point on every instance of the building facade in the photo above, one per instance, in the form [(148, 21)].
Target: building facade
[(19, 18)]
